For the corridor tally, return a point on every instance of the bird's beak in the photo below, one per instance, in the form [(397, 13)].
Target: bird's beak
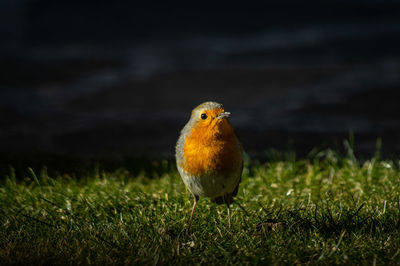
[(222, 115)]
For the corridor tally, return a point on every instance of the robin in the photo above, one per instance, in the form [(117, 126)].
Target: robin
[(209, 156)]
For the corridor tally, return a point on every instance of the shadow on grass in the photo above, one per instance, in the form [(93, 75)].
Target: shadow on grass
[(18, 165), (329, 222)]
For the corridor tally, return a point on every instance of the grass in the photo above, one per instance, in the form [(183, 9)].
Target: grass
[(328, 209)]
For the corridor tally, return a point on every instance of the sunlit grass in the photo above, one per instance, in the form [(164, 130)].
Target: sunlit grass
[(327, 209)]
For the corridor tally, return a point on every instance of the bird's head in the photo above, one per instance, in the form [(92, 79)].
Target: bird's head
[(210, 119)]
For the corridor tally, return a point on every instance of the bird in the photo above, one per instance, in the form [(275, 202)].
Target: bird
[(209, 157)]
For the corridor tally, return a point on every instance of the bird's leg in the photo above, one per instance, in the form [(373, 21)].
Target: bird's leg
[(228, 201), (229, 216), (196, 198)]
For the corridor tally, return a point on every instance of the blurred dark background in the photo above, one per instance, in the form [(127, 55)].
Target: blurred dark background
[(102, 78)]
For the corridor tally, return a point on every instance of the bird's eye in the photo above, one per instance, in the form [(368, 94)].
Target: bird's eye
[(203, 116)]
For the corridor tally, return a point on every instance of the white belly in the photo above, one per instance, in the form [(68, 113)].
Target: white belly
[(209, 185)]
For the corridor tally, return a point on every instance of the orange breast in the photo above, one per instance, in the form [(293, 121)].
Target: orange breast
[(210, 149)]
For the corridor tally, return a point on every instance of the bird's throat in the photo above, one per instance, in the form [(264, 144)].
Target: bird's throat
[(209, 149)]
